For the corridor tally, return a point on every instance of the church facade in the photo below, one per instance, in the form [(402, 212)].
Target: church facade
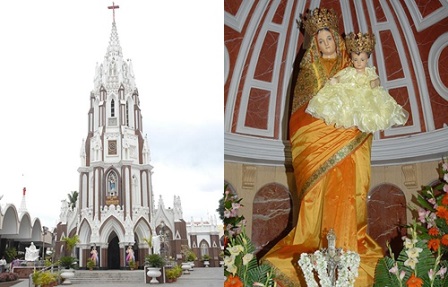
[(116, 209), (115, 205)]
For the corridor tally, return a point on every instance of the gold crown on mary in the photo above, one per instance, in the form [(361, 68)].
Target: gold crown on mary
[(319, 18), (360, 42)]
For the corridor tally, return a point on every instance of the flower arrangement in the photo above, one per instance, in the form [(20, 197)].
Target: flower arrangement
[(422, 262), (240, 263), (433, 212), (232, 222), (334, 266)]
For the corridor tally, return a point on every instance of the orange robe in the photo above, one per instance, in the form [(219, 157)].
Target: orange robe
[(332, 172)]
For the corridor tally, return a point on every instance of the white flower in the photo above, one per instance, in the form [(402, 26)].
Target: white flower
[(411, 262), (232, 269), (235, 250), (413, 252), (229, 260), (347, 268), (409, 243), (307, 267), (247, 258)]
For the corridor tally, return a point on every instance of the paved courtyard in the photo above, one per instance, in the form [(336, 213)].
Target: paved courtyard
[(200, 277)]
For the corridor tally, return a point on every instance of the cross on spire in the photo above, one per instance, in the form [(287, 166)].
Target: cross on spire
[(113, 7)]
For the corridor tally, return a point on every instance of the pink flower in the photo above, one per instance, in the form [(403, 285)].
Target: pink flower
[(422, 215), (441, 272), (445, 167), (431, 274), (445, 188), (402, 274), (432, 200), (394, 270), (235, 206)]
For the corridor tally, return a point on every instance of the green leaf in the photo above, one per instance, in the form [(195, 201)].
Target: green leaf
[(382, 275)]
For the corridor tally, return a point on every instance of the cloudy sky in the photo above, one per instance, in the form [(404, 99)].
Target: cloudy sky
[(49, 51)]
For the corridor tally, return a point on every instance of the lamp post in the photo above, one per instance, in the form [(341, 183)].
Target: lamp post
[(44, 232)]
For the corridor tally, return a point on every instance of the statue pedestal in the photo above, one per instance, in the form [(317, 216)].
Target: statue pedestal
[(25, 271)]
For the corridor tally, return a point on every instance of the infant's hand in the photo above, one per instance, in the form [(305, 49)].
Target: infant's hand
[(375, 83), (333, 81)]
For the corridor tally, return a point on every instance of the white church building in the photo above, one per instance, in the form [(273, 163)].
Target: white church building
[(116, 206)]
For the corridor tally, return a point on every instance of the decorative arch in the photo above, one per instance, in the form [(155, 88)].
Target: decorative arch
[(386, 215), (204, 248), (85, 232), (112, 224), (36, 233), (25, 227), (10, 221), (142, 229), (272, 216)]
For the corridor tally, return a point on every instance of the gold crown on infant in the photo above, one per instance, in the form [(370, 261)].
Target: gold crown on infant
[(319, 18), (360, 42)]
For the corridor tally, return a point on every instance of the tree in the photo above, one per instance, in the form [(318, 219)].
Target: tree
[(72, 199), (149, 242), (220, 208), (70, 243)]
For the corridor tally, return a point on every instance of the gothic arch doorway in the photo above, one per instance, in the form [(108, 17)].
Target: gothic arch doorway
[(113, 252)]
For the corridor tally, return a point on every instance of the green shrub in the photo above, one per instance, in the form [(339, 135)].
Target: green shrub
[(154, 260), (170, 273), (67, 261), (10, 254), (177, 270)]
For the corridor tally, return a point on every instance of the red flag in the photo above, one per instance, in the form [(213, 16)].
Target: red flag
[(24, 191)]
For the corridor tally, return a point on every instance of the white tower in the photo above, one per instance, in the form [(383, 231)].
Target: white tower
[(115, 190)]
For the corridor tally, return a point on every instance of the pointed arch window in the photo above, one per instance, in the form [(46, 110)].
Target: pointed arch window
[(127, 114), (204, 249), (112, 108)]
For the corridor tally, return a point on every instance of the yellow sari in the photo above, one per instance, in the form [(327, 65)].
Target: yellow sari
[(332, 172)]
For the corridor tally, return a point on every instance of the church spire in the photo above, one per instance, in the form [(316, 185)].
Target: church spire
[(114, 48)]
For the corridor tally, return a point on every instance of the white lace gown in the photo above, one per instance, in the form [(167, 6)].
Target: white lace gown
[(353, 103)]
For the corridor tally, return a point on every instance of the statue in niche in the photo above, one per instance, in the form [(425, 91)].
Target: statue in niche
[(94, 255), (112, 184), (130, 254), (32, 253)]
